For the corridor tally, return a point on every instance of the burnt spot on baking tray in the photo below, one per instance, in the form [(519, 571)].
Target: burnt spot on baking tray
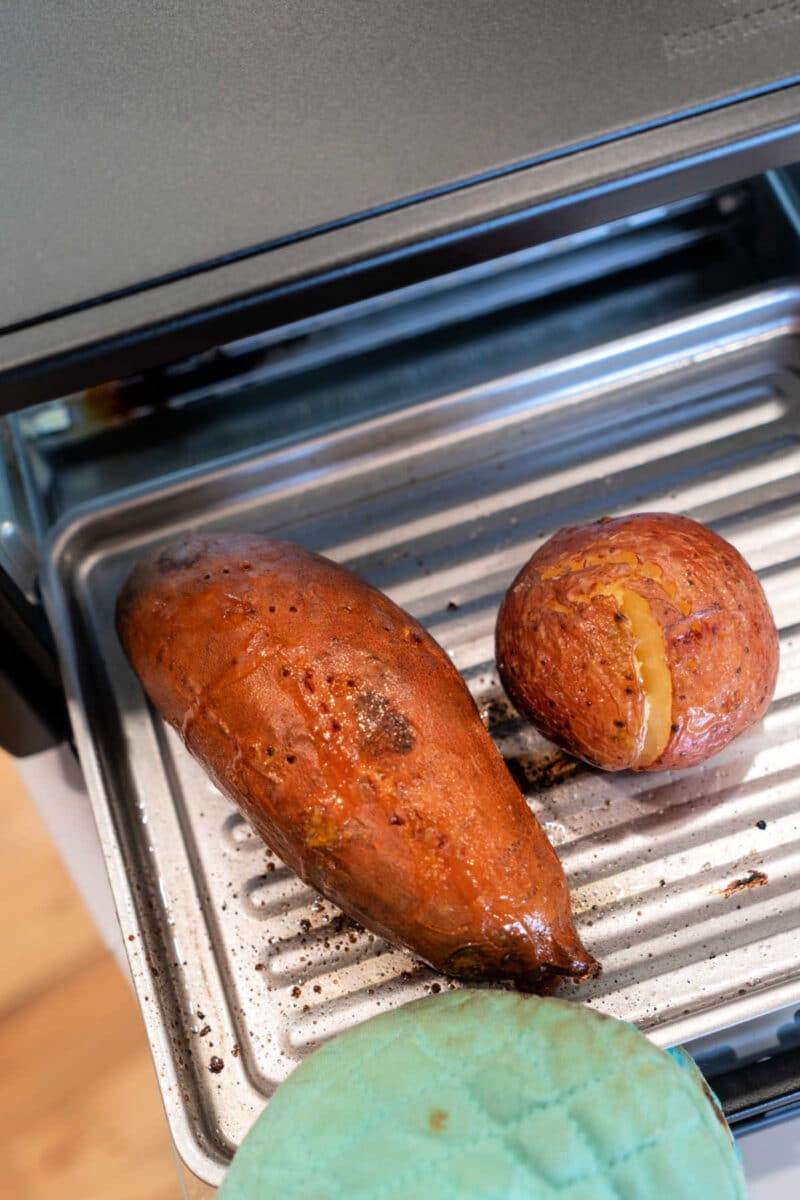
[(752, 879), (497, 714), (540, 772)]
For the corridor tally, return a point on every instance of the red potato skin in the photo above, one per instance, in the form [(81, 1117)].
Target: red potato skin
[(566, 659), (350, 742)]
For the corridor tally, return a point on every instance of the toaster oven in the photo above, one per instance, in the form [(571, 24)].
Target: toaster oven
[(443, 279)]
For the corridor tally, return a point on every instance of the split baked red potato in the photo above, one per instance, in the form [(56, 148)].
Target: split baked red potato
[(351, 743), (643, 642)]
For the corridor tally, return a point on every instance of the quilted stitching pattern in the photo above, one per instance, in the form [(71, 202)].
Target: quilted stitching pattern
[(488, 1094)]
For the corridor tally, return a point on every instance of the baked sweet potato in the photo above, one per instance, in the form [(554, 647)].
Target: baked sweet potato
[(348, 739), (643, 642)]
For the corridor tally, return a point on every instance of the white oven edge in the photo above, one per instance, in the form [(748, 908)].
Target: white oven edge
[(772, 1161), (54, 781)]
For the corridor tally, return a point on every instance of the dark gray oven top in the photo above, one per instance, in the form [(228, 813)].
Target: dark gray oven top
[(143, 141)]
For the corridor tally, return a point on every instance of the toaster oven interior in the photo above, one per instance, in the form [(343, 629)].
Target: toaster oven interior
[(404, 347), (431, 438)]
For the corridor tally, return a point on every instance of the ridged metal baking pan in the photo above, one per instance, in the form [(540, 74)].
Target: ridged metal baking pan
[(686, 885)]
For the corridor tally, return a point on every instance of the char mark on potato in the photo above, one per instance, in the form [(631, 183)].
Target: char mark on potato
[(179, 555), (382, 728)]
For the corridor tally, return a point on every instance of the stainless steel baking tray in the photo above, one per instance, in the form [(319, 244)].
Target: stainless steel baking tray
[(686, 885)]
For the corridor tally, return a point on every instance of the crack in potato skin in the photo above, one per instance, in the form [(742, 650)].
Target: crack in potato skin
[(593, 597), (649, 653), (653, 674)]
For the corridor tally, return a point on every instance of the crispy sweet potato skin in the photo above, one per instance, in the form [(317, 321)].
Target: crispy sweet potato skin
[(565, 651), (346, 736)]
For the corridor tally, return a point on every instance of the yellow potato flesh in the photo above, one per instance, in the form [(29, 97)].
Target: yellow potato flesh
[(650, 656)]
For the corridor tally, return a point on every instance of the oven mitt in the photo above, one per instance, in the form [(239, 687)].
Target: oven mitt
[(494, 1095)]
